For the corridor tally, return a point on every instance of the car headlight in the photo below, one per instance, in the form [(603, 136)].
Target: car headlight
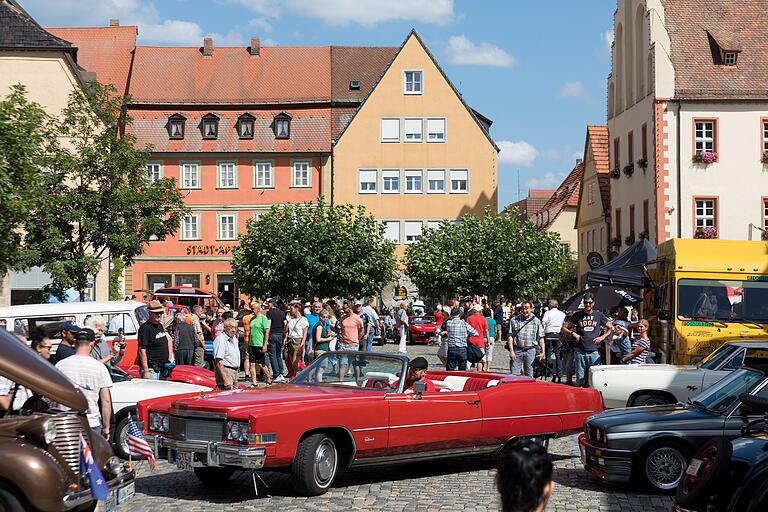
[(49, 431), (159, 422), (237, 431), (115, 465)]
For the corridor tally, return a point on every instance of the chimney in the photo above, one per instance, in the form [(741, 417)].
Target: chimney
[(255, 48), (578, 161), (208, 47), (114, 22)]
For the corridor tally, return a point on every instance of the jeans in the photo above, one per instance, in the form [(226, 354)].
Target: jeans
[(523, 359), (367, 343), (457, 358), (153, 375), (585, 360), (275, 352), (184, 356), (622, 347), (554, 346)]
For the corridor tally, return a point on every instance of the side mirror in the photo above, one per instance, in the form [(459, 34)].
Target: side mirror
[(419, 388), (696, 360), (663, 314)]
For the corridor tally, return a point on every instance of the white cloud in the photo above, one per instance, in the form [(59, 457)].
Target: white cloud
[(549, 180), (172, 32), (607, 38), (363, 12), (261, 24), (572, 90), (463, 51), (517, 153)]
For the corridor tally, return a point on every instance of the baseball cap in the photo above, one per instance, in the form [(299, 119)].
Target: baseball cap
[(418, 363), (70, 326), (478, 307), (455, 312), (86, 334), (358, 303)]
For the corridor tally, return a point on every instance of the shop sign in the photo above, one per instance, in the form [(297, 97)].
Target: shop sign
[(209, 250)]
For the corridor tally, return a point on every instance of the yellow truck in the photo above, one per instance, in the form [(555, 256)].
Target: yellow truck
[(707, 292)]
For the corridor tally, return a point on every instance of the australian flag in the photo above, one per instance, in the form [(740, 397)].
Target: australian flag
[(89, 470)]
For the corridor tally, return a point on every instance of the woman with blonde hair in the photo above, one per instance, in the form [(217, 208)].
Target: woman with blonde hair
[(641, 347)]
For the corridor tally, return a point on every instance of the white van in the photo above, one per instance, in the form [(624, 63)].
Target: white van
[(125, 315)]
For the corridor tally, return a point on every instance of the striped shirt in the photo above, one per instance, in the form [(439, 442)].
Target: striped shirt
[(642, 357), (458, 331)]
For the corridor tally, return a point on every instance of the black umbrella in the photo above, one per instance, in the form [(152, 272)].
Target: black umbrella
[(606, 297)]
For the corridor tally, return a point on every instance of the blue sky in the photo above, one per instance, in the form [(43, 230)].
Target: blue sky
[(537, 68)]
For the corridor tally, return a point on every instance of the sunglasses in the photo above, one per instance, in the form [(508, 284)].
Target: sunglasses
[(589, 302), (45, 346)]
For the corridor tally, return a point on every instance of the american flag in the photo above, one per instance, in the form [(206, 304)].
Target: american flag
[(137, 445)]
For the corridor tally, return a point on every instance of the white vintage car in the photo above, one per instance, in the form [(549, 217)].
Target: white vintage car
[(656, 384), (126, 391)]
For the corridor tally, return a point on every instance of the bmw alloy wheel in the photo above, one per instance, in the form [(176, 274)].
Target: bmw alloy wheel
[(325, 463), (664, 467)]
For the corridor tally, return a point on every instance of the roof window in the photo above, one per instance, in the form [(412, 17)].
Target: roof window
[(729, 58), (282, 125), (175, 126), (244, 126), (210, 126)]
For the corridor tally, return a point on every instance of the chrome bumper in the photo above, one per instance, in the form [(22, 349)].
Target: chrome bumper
[(75, 499), (216, 453)]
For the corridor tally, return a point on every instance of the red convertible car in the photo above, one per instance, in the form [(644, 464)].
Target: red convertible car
[(422, 329), (183, 373), (350, 409)]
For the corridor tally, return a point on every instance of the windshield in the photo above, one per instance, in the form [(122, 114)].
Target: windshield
[(423, 320), (723, 300), (118, 374), (721, 396), (716, 358), (363, 370)]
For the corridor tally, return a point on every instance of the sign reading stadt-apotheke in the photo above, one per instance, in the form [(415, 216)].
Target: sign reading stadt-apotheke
[(209, 250)]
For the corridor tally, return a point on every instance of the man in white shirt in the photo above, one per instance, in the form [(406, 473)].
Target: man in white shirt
[(226, 354), (93, 380), (553, 322)]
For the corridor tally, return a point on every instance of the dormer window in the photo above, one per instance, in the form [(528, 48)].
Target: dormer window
[(245, 126), (729, 58), (210, 126), (282, 126), (175, 126)]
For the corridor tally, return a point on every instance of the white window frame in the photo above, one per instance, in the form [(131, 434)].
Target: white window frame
[(457, 173), (390, 139), (412, 236), (197, 235), (220, 175), (267, 180), (294, 173), (368, 182), (704, 142), (729, 58), (434, 224), (420, 82), (765, 214), (430, 174), (158, 167), (437, 140), (396, 224), (705, 219), (765, 135), (413, 173), (197, 177), (388, 174), (412, 135), (219, 233)]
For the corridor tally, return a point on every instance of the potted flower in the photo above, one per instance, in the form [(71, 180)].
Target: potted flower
[(630, 239), (704, 157), (765, 157), (616, 173), (643, 163), (629, 169), (643, 235), (706, 233), (616, 242)]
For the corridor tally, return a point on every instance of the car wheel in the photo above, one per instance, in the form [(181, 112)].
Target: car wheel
[(650, 399), (315, 465), (120, 441), (213, 475), (663, 465), (12, 500), (707, 476)]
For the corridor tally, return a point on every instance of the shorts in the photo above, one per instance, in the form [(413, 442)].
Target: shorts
[(257, 355), (295, 347), (344, 346)]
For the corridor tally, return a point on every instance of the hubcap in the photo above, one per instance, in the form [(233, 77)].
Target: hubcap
[(325, 463), (123, 440), (664, 468)]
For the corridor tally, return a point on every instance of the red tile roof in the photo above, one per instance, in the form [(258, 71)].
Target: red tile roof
[(181, 75), (697, 28), (363, 63), (532, 204), (106, 51), (567, 194), (310, 132), (598, 140)]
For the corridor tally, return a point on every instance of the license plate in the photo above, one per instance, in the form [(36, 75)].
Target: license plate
[(693, 467), (184, 461), (582, 454), (126, 493)]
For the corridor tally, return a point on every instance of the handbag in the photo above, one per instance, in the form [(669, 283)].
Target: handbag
[(514, 335), (474, 354)]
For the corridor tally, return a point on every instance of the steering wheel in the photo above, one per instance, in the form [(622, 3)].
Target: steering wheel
[(382, 385)]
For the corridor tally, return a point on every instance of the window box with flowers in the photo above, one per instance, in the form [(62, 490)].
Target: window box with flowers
[(630, 239), (704, 157), (764, 159), (643, 163), (706, 233), (616, 173), (616, 241), (629, 169)]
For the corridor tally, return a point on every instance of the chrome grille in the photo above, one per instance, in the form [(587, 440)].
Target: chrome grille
[(67, 441), (197, 429)]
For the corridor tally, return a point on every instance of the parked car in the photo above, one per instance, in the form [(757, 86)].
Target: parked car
[(422, 329), (654, 444), (184, 297), (183, 373), (655, 384), (731, 475), (350, 409), (126, 391), (40, 463)]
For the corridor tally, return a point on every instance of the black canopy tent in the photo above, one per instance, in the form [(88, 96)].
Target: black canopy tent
[(628, 269)]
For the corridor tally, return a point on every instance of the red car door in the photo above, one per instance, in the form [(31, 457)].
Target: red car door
[(436, 421)]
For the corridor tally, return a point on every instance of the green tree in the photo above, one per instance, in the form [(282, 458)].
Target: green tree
[(305, 249), (491, 254), (27, 143), (97, 200)]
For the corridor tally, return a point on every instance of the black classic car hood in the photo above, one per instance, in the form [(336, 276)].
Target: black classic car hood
[(657, 417)]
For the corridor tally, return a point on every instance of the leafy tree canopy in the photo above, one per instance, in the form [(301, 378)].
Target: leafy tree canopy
[(492, 254), (306, 249)]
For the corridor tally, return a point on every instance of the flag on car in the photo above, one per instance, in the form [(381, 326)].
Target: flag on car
[(137, 444), (90, 470)]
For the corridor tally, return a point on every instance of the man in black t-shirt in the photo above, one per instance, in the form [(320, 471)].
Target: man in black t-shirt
[(276, 318), (589, 329), (155, 345)]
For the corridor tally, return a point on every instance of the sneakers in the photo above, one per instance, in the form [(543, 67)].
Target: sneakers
[(279, 378)]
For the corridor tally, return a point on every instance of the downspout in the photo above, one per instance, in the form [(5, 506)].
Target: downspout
[(333, 170), (679, 175)]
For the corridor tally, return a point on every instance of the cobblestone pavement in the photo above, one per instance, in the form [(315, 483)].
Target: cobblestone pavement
[(461, 484)]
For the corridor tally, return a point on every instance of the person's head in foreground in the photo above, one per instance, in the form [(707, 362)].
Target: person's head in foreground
[(524, 477)]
